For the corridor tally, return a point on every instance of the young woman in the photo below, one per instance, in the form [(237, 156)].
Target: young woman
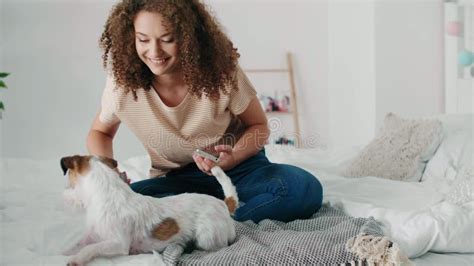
[(175, 82)]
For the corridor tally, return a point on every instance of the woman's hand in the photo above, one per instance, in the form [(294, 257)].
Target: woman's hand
[(123, 176), (227, 160)]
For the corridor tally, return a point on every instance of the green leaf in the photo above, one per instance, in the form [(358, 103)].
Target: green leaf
[(1, 106), (4, 75), (2, 84)]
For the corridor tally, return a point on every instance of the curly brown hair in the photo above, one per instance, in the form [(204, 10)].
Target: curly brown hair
[(208, 58)]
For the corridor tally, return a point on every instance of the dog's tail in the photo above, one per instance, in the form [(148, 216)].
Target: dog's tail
[(230, 194)]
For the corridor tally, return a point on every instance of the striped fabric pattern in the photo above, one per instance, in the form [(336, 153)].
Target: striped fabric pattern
[(171, 134), (320, 240)]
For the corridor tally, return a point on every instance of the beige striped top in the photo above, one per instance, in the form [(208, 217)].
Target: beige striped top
[(171, 134)]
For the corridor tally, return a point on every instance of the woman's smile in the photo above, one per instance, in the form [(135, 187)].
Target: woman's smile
[(158, 61)]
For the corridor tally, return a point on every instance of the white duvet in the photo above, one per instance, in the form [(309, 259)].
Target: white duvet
[(36, 226), (413, 214)]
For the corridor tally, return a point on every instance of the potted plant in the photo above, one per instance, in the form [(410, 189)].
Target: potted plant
[(2, 85)]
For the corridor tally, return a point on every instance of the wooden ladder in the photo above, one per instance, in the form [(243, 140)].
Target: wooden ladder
[(293, 101)]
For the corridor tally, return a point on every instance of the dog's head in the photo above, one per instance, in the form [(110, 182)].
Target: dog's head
[(77, 166)]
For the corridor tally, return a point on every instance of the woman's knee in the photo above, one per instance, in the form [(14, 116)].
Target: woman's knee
[(305, 192), (148, 187), (138, 187), (314, 194)]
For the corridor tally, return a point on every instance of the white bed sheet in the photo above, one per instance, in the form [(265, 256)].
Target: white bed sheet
[(413, 214), (450, 259), (36, 225)]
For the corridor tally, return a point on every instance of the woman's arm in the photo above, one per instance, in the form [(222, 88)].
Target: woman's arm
[(100, 137), (252, 141), (256, 134)]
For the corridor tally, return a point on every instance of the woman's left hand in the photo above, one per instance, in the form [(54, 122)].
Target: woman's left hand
[(227, 160)]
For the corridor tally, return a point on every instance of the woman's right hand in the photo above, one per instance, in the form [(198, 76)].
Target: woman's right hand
[(100, 137), (203, 164), (226, 161), (123, 176)]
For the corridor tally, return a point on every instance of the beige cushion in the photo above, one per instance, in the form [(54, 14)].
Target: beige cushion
[(400, 150)]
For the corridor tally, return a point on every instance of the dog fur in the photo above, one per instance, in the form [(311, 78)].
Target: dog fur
[(122, 222)]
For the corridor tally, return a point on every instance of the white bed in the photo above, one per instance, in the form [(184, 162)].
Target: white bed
[(36, 225), (454, 259)]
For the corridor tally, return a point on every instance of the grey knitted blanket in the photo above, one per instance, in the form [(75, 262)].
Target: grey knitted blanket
[(320, 240)]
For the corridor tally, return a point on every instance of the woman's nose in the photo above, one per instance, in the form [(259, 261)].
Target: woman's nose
[(156, 50)]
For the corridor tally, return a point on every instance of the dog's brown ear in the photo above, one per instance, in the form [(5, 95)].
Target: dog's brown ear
[(67, 163), (77, 163), (109, 162)]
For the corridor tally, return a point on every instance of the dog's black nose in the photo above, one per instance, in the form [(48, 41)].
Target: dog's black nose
[(63, 165)]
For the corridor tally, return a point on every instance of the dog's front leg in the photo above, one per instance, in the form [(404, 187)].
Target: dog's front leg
[(105, 248), (89, 238)]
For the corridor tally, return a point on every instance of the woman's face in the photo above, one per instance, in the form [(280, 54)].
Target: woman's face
[(156, 46)]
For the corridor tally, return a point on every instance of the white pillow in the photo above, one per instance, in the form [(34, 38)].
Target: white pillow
[(456, 149), (462, 187), (446, 162), (453, 123), (400, 150)]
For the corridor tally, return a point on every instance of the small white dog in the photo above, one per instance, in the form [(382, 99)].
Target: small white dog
[(122, 222)]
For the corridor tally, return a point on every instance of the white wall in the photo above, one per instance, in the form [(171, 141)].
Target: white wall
[(264, 31), (459, 85), (351, 72), (57, 77), (1, 68), (51, 49), (384, 56), (352, 65), (409, 38)]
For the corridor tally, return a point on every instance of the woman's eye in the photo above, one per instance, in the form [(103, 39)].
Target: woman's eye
[(167, 40), (142, 40)]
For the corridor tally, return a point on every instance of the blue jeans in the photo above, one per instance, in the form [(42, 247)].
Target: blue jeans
[(266, 190)]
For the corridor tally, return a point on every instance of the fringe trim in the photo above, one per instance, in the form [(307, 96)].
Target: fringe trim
[(376, 250)]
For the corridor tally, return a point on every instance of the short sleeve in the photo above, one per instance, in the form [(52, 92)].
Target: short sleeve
[(240, 99), (109, 103)]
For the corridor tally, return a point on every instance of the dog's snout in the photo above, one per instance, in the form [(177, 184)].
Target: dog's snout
[(64, 166)]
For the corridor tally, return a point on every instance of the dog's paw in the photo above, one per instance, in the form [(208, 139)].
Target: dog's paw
[(133, 252), (74, 262)]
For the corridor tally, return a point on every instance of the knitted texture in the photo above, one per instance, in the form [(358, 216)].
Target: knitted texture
[(320, 240), (400, 150)]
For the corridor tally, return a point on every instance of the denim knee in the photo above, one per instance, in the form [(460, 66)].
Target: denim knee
[(305, 192), (314, 196), (144, 187), (136, 187)]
